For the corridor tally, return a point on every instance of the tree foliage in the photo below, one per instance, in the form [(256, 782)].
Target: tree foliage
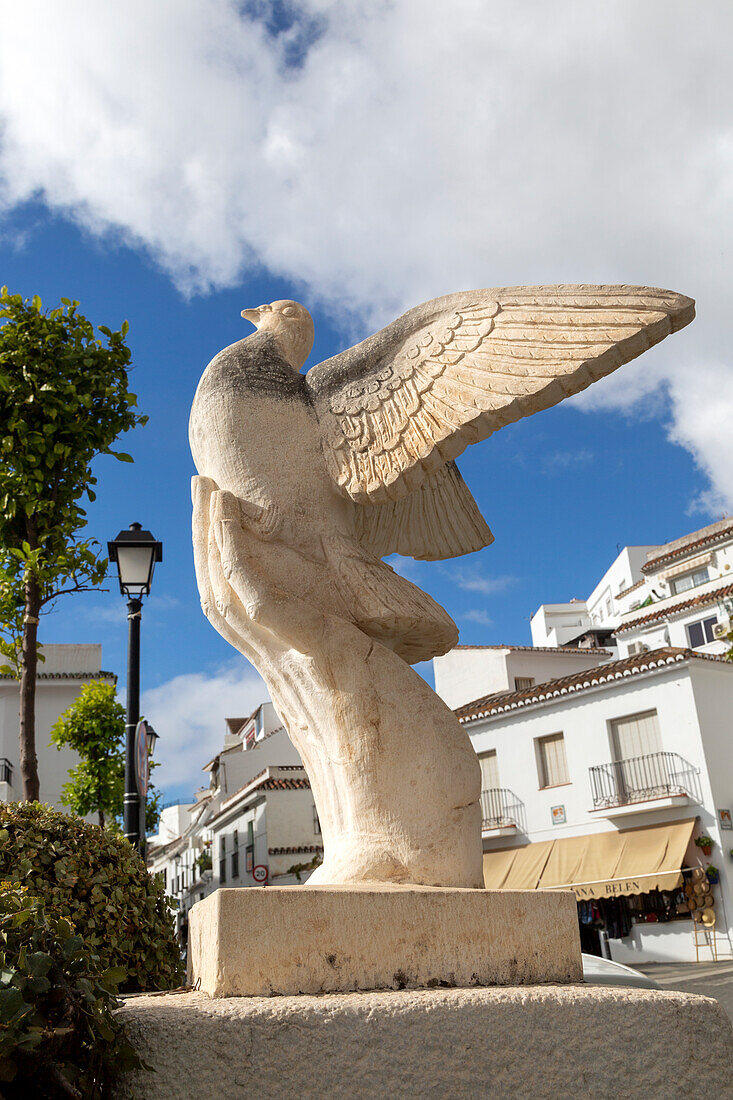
[(94, 727), (63, 401)]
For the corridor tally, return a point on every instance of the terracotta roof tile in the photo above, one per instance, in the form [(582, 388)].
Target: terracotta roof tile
[(625, 592), (303, 848), (680, 551), (541, 649), (703, 600), (284, 785), (579, 681), (102, 675)]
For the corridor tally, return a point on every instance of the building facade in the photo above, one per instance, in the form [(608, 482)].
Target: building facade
[(60, 678), (257, 812), (601, 781), (679, 593)]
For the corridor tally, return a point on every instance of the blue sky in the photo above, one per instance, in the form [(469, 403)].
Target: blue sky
[(643, 458)]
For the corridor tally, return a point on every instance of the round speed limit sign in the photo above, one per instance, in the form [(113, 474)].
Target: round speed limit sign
[(259, 873)]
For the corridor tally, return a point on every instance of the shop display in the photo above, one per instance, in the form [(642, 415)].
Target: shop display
[(615, 917)]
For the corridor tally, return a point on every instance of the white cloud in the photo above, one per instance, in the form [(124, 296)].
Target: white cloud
[(476, 616), (471, 580), (413, 148), (561, 461), (188, 713)]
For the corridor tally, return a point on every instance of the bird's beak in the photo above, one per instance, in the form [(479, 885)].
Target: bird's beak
[(252, 315)]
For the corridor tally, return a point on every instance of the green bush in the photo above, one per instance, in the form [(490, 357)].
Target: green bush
[(98, 883), (58, 1036)]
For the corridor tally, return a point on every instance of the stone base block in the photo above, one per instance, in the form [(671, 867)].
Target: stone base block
[(501, 1044), (320, 939)]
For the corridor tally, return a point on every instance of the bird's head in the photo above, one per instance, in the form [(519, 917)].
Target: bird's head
[(290, 323)]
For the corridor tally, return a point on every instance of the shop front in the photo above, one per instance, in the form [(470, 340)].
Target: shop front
[(637, 890)]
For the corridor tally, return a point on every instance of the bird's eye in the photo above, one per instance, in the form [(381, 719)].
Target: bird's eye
[(288, 311)]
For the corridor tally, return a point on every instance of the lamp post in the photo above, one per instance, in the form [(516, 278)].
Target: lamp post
[(135, 553)]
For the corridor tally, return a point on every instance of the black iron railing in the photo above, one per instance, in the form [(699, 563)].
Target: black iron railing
[(6, 771), (500, 808), (656, 775)]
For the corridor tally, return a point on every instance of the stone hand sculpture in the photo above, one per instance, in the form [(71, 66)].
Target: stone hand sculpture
[(308, 480)]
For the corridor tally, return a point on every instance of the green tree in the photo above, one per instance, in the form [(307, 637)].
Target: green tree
[(94, 727), (63, 401)]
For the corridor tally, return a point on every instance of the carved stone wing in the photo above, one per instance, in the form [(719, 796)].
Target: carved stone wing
[(397, 407)]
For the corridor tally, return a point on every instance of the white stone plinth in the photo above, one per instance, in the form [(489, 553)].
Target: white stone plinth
[(447, 1044), (320, 939)]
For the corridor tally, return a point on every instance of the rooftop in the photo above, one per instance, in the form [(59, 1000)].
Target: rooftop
[(543, 649), (268, 779), (706, 536), (581, 681), (703, 600)]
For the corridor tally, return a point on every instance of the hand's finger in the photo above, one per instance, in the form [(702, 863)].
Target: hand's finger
[(244, 565), (206, 556)]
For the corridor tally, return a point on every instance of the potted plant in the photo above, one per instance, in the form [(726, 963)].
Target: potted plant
[(705, 844), (713, 875)]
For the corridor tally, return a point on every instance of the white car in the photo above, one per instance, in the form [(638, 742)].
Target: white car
[(597, 971)]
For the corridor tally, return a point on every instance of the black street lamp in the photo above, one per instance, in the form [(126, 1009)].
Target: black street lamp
[(135, 553)]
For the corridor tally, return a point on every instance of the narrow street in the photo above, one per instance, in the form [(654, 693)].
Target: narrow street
[(710, 979)]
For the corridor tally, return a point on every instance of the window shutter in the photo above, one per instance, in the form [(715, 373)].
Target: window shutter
[(637, 735), (489, 771), (552, 760)]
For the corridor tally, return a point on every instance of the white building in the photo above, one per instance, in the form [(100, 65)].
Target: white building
[(271, 823), (60, 678), (468, 671), (678, 594), (600, 780), (257, 810)]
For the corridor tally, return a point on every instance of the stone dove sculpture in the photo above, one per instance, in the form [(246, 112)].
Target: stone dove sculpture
[(307, 480)]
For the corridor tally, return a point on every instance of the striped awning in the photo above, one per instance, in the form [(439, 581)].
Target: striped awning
[(595, 865), (688, 566)]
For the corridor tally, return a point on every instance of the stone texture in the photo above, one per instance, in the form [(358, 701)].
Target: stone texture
[(307, 481), (502, 1044), (301, 939)]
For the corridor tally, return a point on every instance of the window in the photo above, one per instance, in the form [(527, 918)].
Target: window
[(235, 854), (522, 683), (551, 762), (635, 735), (701, 632), (222, 858), (250, 832), (250, 858), (489, 771), (689, 580)]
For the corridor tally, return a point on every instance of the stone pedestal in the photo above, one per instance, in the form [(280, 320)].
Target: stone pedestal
[(461, 1044), (320, 939)]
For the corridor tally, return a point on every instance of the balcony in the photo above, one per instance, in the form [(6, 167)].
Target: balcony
[(501, 812), (652, 782)]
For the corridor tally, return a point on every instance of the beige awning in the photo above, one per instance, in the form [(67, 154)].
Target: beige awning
[(596, 865), (688, 566)]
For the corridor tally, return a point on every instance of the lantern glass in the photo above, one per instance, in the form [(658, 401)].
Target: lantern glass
[(135, 553), (152, 737), (135, 565)]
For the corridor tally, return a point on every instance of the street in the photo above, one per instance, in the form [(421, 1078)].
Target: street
[(710, 979)]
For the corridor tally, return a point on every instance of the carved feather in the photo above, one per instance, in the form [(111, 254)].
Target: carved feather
[(412, 397)]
